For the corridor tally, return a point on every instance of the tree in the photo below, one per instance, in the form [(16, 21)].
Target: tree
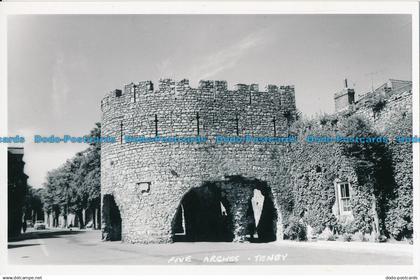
[(34, 204), (75, 186), (91, 182)]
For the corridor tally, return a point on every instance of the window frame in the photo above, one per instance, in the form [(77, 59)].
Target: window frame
[(340, 198), (143, 191)]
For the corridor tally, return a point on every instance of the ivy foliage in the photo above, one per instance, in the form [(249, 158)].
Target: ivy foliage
[(380, 175)]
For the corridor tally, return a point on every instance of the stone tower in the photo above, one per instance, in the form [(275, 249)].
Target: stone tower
[(162, 192)]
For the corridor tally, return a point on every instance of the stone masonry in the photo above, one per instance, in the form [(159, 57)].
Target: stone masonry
[(149, 180)]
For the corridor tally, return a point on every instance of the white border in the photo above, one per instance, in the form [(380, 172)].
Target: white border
[(3, 131), (8, 8), (416, 131)]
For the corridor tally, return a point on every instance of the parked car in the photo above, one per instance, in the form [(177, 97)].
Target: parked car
[(39, 225), (29, 223)]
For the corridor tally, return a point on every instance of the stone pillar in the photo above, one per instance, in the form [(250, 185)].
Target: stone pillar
[(239, 197), (240, 221), (279, 233)]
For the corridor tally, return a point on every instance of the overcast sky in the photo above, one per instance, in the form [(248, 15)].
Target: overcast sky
[(60, 67)]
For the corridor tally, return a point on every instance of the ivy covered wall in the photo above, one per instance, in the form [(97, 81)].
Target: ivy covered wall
[(380, 175)]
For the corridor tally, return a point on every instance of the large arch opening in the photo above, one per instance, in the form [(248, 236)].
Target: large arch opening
[(221, 211), (203, 215), (111, 219)]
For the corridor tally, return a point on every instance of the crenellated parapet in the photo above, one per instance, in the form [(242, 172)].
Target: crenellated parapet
[(175, 106), (133, 91)]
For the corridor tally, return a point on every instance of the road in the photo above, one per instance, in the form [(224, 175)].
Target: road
[(78, 247)]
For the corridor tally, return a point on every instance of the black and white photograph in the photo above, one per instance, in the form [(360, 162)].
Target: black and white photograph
[(273, 139)]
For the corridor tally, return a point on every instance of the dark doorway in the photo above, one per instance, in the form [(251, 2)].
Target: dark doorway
[(111, 219), (203, 215), (206, 213), (262, 215)]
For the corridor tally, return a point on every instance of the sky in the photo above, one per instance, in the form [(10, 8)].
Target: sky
[(60, 66)]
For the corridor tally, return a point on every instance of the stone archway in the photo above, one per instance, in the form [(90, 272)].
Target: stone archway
[(237, 209), (111, 219), (203, 215)]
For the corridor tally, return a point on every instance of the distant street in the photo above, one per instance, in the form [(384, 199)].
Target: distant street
[(84, 247)]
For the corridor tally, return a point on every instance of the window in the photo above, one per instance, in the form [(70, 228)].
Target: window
[(144, 187), (343, 189)]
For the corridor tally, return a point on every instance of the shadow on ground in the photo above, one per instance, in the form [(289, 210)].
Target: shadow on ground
[(43, 235), (12, 246)]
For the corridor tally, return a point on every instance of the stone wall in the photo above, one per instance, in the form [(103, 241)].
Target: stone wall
[(398, 103), (387, 192)]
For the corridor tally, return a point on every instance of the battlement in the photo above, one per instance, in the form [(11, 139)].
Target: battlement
[(176, 108), (135, 92), (184, 84)]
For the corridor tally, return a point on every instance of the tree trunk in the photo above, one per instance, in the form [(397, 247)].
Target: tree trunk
[(99, 216), (93, 209), (84, 220), (81, 221)]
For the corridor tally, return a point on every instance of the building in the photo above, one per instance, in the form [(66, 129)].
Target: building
[(17, 187), (344, 98)]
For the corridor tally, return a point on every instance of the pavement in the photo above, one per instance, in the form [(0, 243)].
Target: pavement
[(84, 247)]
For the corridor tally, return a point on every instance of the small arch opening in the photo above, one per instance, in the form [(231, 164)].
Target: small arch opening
[(111, 219), (262, 216)]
